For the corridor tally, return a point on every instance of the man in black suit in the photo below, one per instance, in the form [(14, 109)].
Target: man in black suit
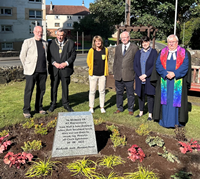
[(61, 56)]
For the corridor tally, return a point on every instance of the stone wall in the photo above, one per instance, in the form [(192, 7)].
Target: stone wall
[(8, 74)]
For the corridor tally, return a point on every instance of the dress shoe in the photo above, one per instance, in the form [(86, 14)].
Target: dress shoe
[(149, 119), (138, 115), (27, 115), (42, 112), (68, 108), (130, 113), (52, 108), (116, 112)]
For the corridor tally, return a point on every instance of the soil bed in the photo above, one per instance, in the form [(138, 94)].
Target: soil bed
[(189, 162)]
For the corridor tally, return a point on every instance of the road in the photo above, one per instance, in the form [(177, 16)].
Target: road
[(80, 59), (14, 61)]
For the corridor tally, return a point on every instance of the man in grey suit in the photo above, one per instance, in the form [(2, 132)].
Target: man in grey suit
[(123, 72), (33, 56)]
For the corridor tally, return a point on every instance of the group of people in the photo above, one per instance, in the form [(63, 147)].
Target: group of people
[(163, 78)]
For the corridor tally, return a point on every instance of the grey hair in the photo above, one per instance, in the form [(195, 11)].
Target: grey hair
[(61, 30), (123, 32), (172, 36)]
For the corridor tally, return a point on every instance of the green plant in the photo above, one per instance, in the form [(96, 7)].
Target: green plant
[(110, 161), (169, 156), (111, 175), (34, 145), (41, 168), (83, 167), (112, 128), (52, 123), (117, 140), (41, 130), (142, 130), (142, 173), (98, 121), (28, 124), (153, 141), (182, 175), (4, 133)]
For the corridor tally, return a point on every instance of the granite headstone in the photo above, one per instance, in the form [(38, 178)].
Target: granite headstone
[(74, 135)]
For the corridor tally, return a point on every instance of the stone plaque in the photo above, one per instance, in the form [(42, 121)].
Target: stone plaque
[(74, 135)]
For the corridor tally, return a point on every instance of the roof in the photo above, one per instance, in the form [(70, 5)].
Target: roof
[(67, 10)]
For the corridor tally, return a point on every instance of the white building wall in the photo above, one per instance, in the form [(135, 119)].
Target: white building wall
[(20, 25), (63, 20)]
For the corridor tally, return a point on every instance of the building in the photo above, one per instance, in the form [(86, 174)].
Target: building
[(17, 20), (58, 16)]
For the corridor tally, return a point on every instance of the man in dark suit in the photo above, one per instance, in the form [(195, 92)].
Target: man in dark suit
[(123, 72), (61, 56)]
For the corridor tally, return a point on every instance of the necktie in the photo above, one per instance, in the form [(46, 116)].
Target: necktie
[(60, 50), (124, 50)]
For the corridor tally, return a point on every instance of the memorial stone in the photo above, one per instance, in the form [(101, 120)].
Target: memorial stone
[(74, 135)]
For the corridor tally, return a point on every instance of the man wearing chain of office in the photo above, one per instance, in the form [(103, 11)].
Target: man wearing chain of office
[(61, 56)]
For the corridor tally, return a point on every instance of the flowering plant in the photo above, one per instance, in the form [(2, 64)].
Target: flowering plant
[(188, 147), (17, 159), (4, 145), (136, 153)]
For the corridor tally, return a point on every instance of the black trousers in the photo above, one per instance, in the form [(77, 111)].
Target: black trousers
[(120, 85), (141, 100), (55, 80), (40, 80)]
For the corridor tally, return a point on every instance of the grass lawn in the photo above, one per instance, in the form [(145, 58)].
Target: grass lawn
[(11, 104)]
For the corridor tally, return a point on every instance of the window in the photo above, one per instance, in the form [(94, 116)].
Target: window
[(32, 25), (6, 28), (57, 17), (55, 32), (57, 24), (6, 11), (7, 46), (69, 25), (35, 0), (35, 14), (69, 17), (79, 17)]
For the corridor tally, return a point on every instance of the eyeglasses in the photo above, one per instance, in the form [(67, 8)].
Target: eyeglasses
[(124, 37), (38, 32), (171, 42)]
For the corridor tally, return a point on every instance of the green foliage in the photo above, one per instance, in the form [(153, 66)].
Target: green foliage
[(98, 121), (142, 173), (41, 168), (115, 137), (4, 133), (142, 130), (169, 156), (111, 175), (83, 167), (153, 141), (182, 175), (28, 124), (41, 130), (52, 123), (34, 145), (110, 161)]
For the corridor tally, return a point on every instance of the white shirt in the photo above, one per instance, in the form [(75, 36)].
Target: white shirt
[(127, 46)]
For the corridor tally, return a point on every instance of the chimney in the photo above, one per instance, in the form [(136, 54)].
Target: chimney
[(83, 3), (51, 6)]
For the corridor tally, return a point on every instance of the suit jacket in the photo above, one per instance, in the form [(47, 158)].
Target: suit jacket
[(68, 54), (149, 89), (123, 65), (29, 55)]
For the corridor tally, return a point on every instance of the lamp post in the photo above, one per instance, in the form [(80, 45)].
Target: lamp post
[(175, 19)]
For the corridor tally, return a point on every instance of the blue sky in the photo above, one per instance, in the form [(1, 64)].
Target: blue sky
[(70, 2)]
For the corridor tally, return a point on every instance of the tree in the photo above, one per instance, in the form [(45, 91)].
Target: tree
[(91, 25), (159, 13)]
